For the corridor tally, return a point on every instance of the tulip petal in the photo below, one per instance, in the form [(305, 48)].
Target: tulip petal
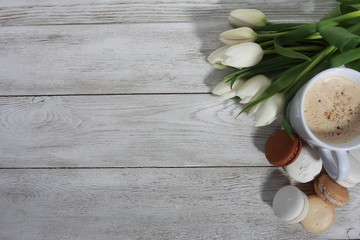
[(253, 88), (231, 42), (269, 110), (243, 55), (238, 82), (238, 35), (227, 95), (264, 116), (247, 18), (224, 87), (254, 109), (221, 88), (217, 57)]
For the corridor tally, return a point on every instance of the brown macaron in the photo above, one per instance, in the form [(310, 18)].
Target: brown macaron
[(281, 150), (330, 191)]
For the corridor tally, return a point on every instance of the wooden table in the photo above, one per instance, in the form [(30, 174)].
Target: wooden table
[(108, 129)]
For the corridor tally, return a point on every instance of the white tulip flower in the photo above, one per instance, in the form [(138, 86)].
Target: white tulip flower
[(247, 18), (268, 110), (217, 57), (252, 88), (238, 35), (243, 55), (224, 89)]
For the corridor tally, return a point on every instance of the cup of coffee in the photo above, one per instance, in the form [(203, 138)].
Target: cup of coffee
[(325, 112)]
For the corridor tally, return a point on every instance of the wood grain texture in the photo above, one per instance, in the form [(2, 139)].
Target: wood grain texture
[(96, 59), (130, 130), (213, 203), (107, 130), (162, 57), (94, 12)]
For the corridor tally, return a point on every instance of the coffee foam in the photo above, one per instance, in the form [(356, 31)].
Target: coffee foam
[(332, 110)]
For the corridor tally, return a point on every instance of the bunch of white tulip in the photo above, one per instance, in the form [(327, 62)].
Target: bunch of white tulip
[(241, 51), (297, 51)]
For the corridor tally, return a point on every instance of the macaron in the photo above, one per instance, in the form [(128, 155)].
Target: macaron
[(354, 174), (320, 216), (281, 150), (306, 167), (290, 204), (330, 191)]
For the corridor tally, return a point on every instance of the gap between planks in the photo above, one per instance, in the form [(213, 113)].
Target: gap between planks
[(145, 167), (102, 94)]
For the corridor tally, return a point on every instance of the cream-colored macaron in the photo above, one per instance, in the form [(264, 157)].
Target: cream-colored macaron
[(320, 216)]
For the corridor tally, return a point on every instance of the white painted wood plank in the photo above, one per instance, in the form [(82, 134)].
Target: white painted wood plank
[(93, 12), (210, 203), (126, 58), (130, 131)]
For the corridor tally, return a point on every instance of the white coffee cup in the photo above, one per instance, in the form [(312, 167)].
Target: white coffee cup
[(334, 156)]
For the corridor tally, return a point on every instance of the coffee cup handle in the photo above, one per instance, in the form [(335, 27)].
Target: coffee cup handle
[(336, 163)]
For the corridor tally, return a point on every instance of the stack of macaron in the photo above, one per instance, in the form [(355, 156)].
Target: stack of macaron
[(316, 213), (329, 195), (299, 160)]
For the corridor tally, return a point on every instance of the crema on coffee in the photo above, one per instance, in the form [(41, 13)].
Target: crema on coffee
[(332, 110)]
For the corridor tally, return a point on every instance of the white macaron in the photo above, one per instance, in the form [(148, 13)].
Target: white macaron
[(290, 204), (306, 167)]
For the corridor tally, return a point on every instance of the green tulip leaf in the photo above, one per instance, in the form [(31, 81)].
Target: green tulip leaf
[(341, 38), (338, 11), (354, 65), (295, 35), (355, 29), (292, 37), (265, 66), (289, 53), (346, 57), (287, 127), (339, 19)]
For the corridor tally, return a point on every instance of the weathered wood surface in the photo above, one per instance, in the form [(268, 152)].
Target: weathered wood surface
[(52, 12), (107, 130), (130, 130), (158, 54), (178, 203), (103, 59)]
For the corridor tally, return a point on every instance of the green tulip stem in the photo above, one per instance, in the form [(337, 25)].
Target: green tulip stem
[(317, 59), (278, 27), (339, 19), (265, 37), (267, 44), (314, 36), (345, 17), (298, 48)]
